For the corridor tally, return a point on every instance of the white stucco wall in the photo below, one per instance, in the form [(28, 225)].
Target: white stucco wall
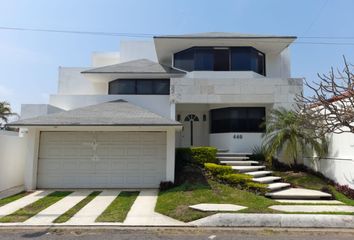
[(224, 87), (100, 59), (132, 50), (71, 81), (159, 104), (233, 144), (12, 159), (339, 163)]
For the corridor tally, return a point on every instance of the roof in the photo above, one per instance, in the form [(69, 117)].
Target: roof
[(114, 113), (222, 35), (135, 66)]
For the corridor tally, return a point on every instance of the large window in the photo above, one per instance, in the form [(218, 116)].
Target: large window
[(237, 119), (140, 86), (220, 59)]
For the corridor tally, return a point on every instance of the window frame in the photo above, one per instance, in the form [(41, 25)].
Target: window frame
[(193, 52), (136, 83), (228, 123)]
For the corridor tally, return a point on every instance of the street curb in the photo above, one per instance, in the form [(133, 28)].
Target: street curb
[(276, 220)]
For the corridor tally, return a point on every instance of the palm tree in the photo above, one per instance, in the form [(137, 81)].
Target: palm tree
[(285, 133), (5, 112)]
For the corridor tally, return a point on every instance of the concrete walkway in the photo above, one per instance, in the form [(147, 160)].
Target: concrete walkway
[(22, 202), (88, 214), (143, 211), (48, 215)]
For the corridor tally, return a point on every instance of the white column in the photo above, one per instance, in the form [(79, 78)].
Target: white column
[(173, 110), (170, 158), (31, 159)]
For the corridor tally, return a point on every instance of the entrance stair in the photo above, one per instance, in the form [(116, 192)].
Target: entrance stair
[(278, 190)]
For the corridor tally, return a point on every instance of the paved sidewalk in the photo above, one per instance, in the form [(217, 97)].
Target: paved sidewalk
[(88, 214), (276, 220), (143, 211), (48, 215), (22, 202)]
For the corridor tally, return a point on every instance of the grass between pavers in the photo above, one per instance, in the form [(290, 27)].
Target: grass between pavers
[(310, 181), (117, 211), (72, 211), (175, 202), (12, 198), (32, 209)]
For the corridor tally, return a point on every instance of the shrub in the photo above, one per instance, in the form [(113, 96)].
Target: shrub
[(203, 155), (218, 170), (258, 187), (236, 178), (198, 155), (259, 153), (165, 185), (346, 190)]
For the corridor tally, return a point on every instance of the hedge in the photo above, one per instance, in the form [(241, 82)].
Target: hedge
[(197, 155), (225, 174), (217, 170)]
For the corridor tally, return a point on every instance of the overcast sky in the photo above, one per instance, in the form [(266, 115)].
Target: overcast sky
[(29, 61)]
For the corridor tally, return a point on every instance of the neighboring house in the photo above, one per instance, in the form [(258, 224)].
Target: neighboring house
[(119, 121)]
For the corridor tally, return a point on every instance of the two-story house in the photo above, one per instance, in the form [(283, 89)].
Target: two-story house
[(116, 124)]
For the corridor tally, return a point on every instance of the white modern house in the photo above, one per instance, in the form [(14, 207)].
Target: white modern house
[(116, 123)]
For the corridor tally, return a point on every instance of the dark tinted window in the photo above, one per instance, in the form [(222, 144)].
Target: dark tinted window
[(122, 87), (237, 119), (220, 59), (144, 86), (140, 86), (204, 59), (184, 60)]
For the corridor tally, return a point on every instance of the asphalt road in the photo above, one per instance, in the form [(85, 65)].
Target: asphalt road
[(175, 234)]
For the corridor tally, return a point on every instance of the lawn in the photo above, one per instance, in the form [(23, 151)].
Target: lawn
[(72, 211), (30, 210), (12, 198), (310, 181), (175, 202), (117, 211)]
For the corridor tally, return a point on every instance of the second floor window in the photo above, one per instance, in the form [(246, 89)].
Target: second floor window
[(220, 59), (140, 86)]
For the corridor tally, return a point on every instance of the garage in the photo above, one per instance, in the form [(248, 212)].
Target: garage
[(109, 145), (101, 159)]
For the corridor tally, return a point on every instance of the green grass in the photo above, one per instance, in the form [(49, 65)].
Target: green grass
[(175, 202), (117, 211), (30, 210), (72, 211), (12, 198), (307, 180)]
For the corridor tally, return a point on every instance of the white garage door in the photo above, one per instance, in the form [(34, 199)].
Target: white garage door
[(101, 159)]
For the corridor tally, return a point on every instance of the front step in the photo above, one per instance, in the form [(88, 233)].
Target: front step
[(258, 174), (277, 186), (223, 150), (321, 202), (246, 169), (239, 163), (230, 154), (299, 193), (234, 158), (268, 179)]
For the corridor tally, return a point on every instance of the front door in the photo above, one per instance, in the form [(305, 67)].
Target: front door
[(191, 130)]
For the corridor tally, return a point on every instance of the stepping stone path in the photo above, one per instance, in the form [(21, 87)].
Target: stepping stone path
[(313, 208), (241, 162), (208, 207)]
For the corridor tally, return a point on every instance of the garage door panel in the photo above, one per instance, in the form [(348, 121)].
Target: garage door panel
[(101, 159)]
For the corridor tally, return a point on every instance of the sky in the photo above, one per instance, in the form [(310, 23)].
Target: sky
[(29, 61)]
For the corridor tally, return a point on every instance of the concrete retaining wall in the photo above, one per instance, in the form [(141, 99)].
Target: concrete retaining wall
[(12, 160)]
